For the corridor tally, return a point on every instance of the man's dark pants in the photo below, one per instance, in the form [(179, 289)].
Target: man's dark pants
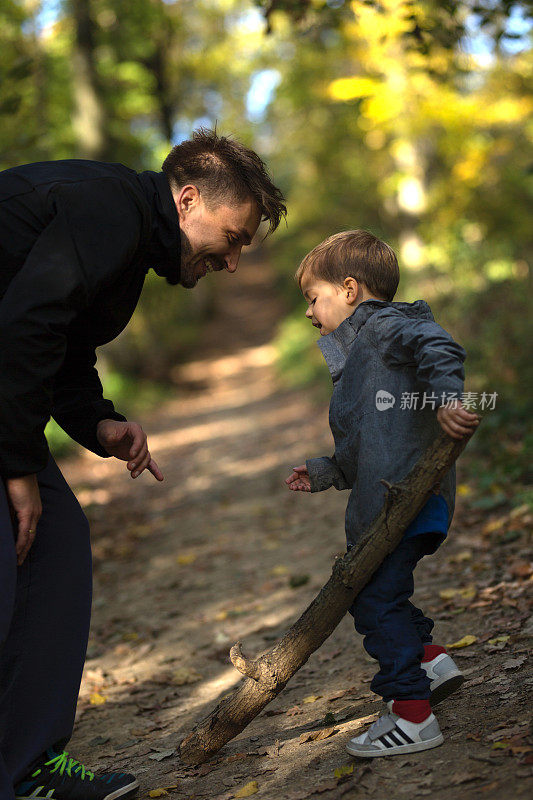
[(45, 607), (395, 630)]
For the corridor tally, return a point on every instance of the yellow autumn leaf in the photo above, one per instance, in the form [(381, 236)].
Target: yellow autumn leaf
[(346, 769), (280, 569), (519, 511), (221, 615), (464, 642), (162, 792), (500, 745), (497, 639), (495, 525), (248, 789), (186, 558), (352, 88), (463, 489), (463, 555), (311, 698), (467, 593), (447, 594), (185, 675), (98, 699)]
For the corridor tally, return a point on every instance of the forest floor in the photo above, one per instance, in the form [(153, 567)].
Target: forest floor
[(221, 551)]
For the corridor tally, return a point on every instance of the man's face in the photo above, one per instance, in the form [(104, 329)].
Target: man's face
[(212, 237)]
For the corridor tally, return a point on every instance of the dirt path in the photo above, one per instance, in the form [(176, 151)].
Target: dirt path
[(221, 551)]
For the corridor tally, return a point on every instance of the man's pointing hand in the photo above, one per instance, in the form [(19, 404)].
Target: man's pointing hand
[(127, 441)]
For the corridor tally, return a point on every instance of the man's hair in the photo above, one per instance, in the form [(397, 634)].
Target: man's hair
[(223, 169), (354, 254)]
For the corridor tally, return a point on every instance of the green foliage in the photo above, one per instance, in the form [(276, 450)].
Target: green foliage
[(432, 153), (297, 362), (118, 80), (429, 24)]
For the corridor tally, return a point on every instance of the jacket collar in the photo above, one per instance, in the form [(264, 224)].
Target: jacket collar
[(336, 345), (163, 252)]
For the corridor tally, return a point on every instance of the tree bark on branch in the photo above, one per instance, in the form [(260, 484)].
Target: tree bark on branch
[(268, 675)]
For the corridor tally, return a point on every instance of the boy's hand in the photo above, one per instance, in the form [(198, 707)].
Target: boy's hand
[(299, 481), (456, 421)]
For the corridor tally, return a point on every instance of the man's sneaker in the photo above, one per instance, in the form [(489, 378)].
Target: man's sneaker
[(60, 777), (443, 672), (391, 735)]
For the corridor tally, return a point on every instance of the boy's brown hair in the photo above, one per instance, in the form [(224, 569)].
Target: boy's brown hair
[(354, 254)]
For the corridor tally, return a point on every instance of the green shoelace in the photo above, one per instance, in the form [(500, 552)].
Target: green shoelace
[(63, 763)]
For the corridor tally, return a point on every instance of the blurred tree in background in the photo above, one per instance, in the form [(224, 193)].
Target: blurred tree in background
[(431, 150), (412, 119)]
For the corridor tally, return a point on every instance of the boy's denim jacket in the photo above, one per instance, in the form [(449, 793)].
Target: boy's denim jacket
[(394, 348)]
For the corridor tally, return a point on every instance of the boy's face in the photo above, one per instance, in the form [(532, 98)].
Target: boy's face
[(329, 304)]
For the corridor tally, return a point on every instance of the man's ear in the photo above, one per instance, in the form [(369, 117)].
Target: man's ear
[(186, 199), (352, 290)]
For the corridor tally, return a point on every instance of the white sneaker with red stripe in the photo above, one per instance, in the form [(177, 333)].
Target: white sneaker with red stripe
[(392, 735), (443, 672)]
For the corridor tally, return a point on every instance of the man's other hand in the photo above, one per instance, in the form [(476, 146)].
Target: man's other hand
[(127, 442), (25, 501), (456, 420), (299, 480)]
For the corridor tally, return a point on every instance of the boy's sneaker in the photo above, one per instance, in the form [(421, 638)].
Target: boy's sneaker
[(60, 777), (391, 735), (443, 672)]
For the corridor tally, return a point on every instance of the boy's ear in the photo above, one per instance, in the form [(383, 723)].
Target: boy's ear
[(351, 289)]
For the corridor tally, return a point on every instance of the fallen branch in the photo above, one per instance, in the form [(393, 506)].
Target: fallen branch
[(269, 674)]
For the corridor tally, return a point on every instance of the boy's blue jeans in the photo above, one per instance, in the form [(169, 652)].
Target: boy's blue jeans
[(395, 630)]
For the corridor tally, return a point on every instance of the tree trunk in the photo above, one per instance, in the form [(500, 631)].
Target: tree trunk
[(269, 674), (90, 118), (159, 63)]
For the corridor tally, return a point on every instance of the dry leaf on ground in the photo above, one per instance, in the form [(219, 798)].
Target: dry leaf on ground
[(312, 698), (248, 789), (185, 558), (341, 772), (161, 754), (466, 641), (315, 736)]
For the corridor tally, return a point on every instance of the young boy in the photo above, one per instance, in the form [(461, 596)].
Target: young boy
[(395, 372)]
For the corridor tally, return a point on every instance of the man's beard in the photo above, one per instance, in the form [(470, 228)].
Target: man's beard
[(188, 277)]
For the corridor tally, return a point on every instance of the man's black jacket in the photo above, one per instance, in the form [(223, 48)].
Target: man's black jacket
[(76, 241)]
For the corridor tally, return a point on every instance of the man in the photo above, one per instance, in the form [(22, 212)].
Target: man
[(76, 241)]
